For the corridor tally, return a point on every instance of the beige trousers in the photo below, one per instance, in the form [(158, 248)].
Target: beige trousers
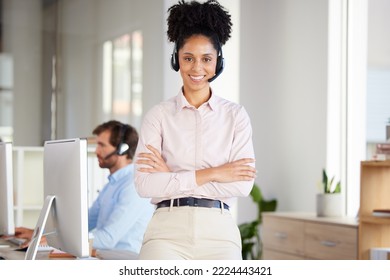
[(191, 233)]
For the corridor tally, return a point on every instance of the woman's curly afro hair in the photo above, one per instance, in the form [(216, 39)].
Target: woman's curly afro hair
[(189, 18)]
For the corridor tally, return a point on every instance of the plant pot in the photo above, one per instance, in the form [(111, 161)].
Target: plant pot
[(329, 205)]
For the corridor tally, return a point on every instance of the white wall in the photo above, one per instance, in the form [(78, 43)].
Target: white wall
[(378, 54), (283, 85), (85, 26), (22, 41)]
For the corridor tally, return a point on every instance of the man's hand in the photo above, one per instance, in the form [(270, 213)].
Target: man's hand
[(27, 233)]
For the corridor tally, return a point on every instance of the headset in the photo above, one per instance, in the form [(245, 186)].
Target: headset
[(122, 147), (218, 69)]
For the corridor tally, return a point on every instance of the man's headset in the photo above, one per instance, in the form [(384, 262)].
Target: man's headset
[(123, 147), (218, 69)]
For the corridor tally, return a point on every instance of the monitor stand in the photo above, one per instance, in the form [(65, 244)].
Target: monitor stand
[(39, 228)]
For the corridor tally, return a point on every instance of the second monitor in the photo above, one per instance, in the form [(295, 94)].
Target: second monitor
[(64, 216), (6, 190)]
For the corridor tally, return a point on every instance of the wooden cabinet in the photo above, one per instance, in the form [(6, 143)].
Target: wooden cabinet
[(290, 236), (374, 194)]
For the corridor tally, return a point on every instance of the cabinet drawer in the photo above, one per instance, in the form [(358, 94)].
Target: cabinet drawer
[(284, 235), (269, 254), (330, 242)]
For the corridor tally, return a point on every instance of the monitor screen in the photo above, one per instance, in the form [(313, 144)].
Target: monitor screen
[(64, 216), (7, 226)]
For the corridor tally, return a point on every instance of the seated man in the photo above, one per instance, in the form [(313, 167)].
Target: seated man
[(118, 217)]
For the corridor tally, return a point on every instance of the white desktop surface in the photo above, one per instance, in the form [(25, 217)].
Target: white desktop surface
[(116, 255), (7, 251)]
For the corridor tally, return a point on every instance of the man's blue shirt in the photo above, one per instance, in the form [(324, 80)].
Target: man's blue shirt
[(119, 216)]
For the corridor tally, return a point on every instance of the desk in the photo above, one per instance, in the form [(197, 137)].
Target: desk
[(9, 253)]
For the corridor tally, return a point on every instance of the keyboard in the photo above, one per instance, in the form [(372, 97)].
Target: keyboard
[(16, 241), (19, 241)]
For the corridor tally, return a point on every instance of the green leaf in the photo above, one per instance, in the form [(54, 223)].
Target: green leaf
[(256, 193), (247, 249), (248, 230), (324, 180), (338, 188), (328, 185), (250, 235), (266, 206)]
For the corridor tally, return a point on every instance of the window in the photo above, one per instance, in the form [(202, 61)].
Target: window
[(122, 79), (6, 97)]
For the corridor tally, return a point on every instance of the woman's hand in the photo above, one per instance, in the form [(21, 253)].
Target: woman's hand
[(154, 160), (238, 170)]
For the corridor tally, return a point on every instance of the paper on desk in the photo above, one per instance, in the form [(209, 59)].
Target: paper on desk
[(45, 248)]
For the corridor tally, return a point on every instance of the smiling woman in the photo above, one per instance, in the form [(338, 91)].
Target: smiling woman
[(198, 60), (195, 153)]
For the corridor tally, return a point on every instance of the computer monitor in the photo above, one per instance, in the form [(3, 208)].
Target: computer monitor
[(64, 216), (7, 226)]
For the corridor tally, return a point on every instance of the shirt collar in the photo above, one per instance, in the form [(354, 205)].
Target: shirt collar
[(181, 102), (121, 173)]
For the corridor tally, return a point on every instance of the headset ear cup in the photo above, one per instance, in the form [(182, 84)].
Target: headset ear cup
[(220, 65), (174, 62), (122, 149), (218, 68)]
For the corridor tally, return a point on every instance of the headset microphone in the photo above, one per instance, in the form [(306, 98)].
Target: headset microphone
[(219, 69)]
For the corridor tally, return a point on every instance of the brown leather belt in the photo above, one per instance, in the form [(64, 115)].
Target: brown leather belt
[(193, 202)]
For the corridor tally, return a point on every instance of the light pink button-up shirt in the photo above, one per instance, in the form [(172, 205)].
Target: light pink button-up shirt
[(190, 139)]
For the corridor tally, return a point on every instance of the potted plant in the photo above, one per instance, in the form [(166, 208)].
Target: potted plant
[(250, 235), (329, 202)]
